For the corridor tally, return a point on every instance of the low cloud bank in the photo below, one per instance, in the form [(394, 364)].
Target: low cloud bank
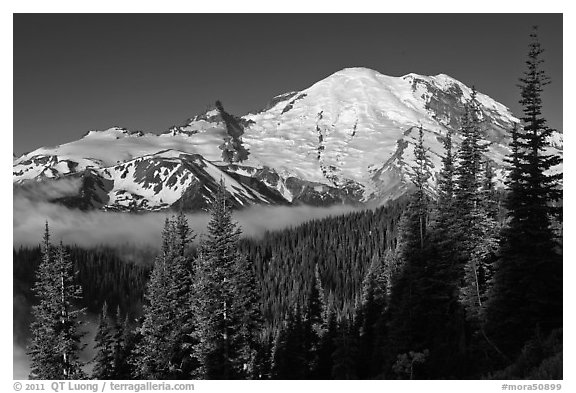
[(45, 191), (72, 226)]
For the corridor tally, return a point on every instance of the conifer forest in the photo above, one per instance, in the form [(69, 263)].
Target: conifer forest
[(463, 280)]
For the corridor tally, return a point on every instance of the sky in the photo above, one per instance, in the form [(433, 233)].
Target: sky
[(79, 72)]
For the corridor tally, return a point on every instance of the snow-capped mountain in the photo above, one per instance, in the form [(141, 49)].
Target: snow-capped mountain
[(346, 139)]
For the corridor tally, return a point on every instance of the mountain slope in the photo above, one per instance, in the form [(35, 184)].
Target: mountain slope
[(346, 139)]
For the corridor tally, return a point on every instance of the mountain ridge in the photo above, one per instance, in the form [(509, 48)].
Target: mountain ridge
[(345, 139)]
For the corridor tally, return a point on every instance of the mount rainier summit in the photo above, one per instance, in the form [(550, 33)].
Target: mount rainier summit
[(347, 139)]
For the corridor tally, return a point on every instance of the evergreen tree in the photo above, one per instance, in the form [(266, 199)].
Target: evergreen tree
[(446, 180), (55, 343), (132, 339), (443, 278), (470, 157), (414, 220), (225, 299), (165, 351), (475, 230), (408, 311), (345, 354), (326, 349), (419, 178), (247, 305), (324, 324), (111, 360), (105, 359), (445, 214), (481, 246), (119, 333), (527, 295), (289, 352), (183, 361), (371, 313), (183, 235), (313, 322), (263, 361), (154, 350), (515, 173)]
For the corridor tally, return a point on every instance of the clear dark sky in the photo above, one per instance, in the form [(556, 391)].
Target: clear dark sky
[(74, 73)]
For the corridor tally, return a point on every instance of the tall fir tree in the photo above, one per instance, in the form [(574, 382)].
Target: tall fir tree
[(420, 176), (443, 278), (324, 324), (105, 359), (515, 175), (131, 340), (527, 295), (414, 221), (371, 314), (444, 226), (226, 301), (119, 333), (407, 311), (248, 306), (470, 157), (313, 322), (345, 355), (152, 360), (165, 351), (111, 359), (289, 352), (181, 285), (444, 231), (55, 344), (475, 229), (480, 245), (446, 177)]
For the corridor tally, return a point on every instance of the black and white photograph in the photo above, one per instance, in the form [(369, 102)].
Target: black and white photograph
[(287, 196)]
